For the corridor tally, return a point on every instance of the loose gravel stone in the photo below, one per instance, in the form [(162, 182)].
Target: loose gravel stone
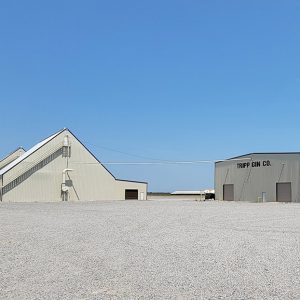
[(150, 250)]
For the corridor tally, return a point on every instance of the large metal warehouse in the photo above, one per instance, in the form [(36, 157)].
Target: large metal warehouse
[(61, 168), (259, 177)]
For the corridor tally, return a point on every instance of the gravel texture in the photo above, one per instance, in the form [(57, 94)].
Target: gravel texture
[(149, 250)]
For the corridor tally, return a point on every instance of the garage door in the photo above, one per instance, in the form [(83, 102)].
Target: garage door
[(283, 192), (131, 194), (228, 192)]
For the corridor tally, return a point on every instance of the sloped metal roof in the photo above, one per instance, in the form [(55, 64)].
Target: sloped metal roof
[(256, 153), (28, 153), (13, 152)]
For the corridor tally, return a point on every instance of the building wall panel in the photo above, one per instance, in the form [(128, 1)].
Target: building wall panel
[(251, 182), (90, 179)]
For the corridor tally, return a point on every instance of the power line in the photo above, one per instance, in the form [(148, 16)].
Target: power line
[(154, 161), (192, 162), (125, 153), (148, 162)]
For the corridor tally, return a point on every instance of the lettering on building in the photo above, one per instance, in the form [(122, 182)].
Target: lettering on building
[(254, 164)]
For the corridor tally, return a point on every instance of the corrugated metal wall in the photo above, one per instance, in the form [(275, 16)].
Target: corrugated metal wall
[(90, 180), (261, 176)]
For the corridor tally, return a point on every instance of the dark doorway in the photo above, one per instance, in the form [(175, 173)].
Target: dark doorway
[(131, 194), (228, 192), (283, 192)]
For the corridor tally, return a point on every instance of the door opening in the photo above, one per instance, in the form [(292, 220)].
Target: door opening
[(228, 192), (283, 192), (131, 194)]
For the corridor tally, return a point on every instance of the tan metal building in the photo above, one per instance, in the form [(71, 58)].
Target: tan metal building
[(61, 168), (259, 177)]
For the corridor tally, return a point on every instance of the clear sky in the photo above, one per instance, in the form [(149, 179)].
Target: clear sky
[(172, 80)]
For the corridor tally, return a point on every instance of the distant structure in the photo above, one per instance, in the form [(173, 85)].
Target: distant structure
[(183, 195), (61, 168), (198, 195), (259, 177)]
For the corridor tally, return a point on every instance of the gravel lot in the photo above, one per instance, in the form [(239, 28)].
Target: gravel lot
[(149, 250)]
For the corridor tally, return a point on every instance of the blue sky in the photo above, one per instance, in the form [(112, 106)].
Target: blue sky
[(173, 80)]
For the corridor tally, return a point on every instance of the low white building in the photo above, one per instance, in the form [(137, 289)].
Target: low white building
[(196, 195), (61, 168), (183, 195)]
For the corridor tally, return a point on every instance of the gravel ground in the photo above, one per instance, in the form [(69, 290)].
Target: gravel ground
[(149, 250)]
